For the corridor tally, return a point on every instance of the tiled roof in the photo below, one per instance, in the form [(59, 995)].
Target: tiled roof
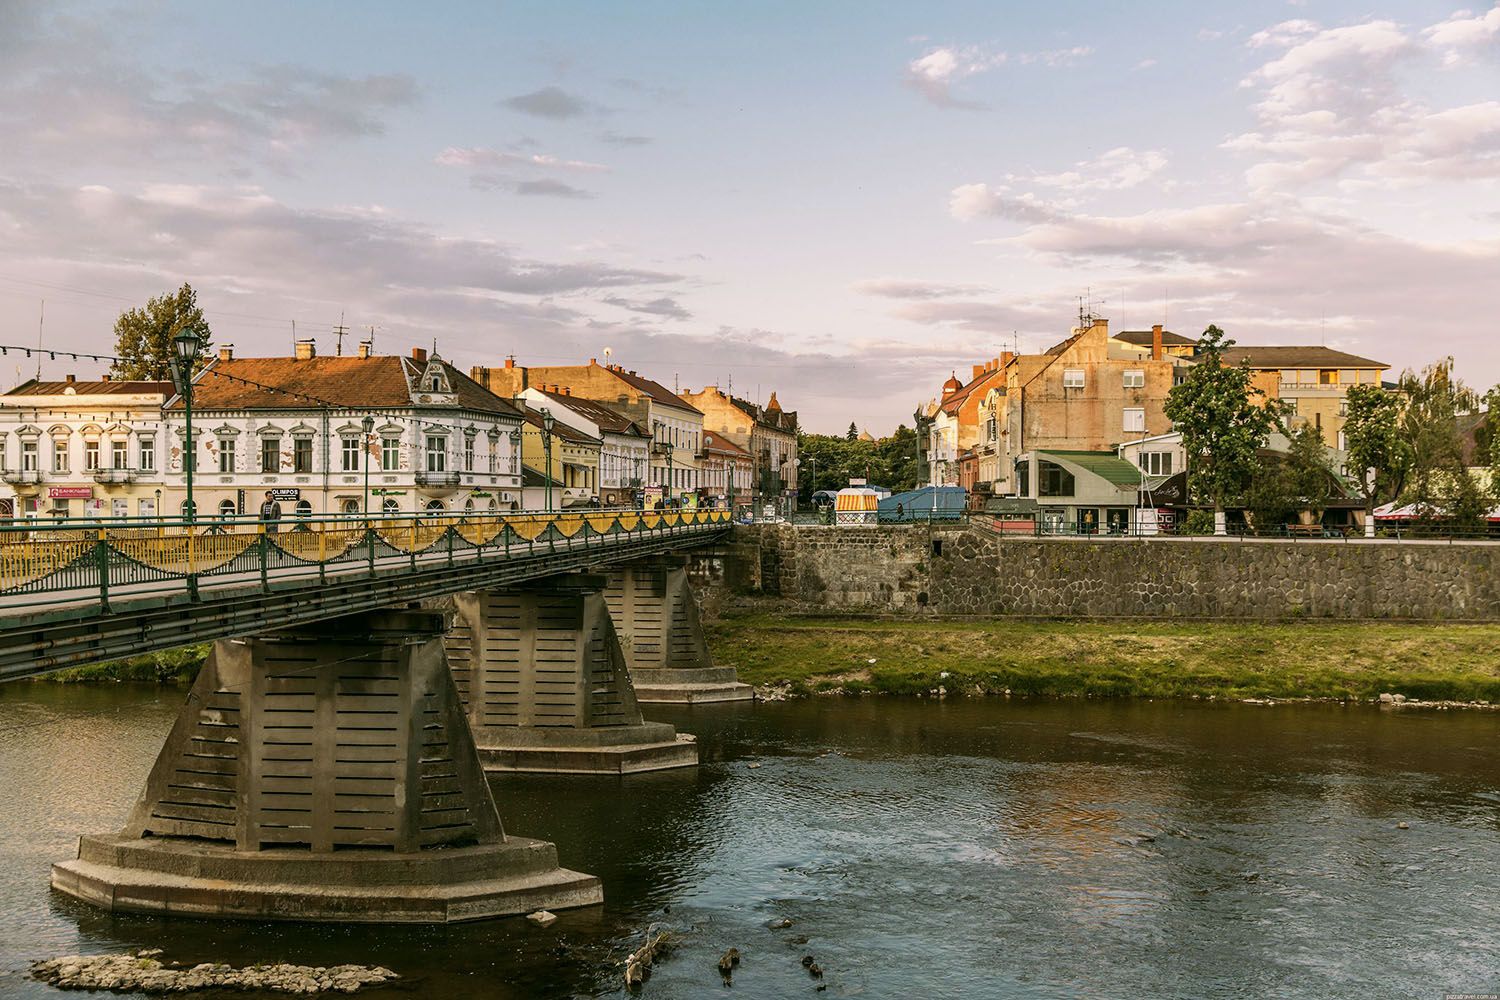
[(1296, 357), (658, 392), (608, 420), (379, 382), (560, 429), (101, 387), (1107, 465), (954, 400), (718, 442), (1143, 338), (777, 419)]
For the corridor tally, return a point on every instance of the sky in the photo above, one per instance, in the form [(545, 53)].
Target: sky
[(841, 202)]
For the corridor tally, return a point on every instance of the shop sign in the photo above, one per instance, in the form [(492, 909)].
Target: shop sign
[(280, 493), (388, 493), (69, 492)]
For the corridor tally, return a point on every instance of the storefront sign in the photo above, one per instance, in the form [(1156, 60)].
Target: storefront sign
[(388, 493), (69, 492), (285, 493), (1172, 491)]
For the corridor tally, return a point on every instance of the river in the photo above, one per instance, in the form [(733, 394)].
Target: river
[(961, 848)]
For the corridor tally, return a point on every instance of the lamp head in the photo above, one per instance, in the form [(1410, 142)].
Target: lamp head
[(368, 423), (548, 420), (186, 346)]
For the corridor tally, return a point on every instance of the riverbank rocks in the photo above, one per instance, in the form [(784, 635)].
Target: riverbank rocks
[(142, 972)]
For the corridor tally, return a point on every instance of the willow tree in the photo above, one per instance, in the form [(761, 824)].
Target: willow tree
[(1224, 421), (1439, 481)]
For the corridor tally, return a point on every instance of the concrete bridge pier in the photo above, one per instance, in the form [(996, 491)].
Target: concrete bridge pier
[(651, 602), (323, 773), (543, 680)]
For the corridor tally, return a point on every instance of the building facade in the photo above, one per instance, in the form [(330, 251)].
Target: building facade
[(624, 447), (570, 464), (343, 435), (728, 471), (1312, 382), (768, 433), (83, 449), (676, 427)]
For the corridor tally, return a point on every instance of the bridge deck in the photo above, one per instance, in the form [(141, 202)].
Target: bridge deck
[(71, 596)]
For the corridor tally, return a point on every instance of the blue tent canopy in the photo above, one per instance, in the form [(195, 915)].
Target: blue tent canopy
[(941, 503)]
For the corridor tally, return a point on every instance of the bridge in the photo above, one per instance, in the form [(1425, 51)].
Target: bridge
[(365, 674)]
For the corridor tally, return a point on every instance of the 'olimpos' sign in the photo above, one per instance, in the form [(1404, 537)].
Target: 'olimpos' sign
[(388, 493)]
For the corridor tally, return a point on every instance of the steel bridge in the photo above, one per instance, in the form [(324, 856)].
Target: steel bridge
[(74, 594)]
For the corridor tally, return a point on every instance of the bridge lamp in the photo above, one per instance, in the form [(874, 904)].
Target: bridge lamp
[(185, 348), (670, 485), (548, 421), (369, 426)]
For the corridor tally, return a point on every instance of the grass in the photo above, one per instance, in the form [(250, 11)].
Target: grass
[(1346, 660), (170, 666)]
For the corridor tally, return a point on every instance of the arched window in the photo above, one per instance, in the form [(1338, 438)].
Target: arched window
[(390, 506), (436, 505), (351, 506), (227, 509), (304, 508), (493, 505), (186, 510)]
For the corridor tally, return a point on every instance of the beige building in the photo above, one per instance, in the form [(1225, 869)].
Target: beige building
[(768, 433), (676, 426), (82, 449), (1312, 381)]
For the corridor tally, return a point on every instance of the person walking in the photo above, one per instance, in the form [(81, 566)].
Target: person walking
[(270, 513)]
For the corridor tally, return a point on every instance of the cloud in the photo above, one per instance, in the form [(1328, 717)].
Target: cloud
[(1463, 32), (973, 201), (618, 139), (901, 288), (546, 187), (1332, 105), (934, 73), (72, 92), (550, 102), (1116, 170), (668, 308)]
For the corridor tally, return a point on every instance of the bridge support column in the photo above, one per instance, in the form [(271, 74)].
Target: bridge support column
[(323, 773), (543, 680), (651, 602)]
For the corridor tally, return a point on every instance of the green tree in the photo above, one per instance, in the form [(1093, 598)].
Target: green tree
[(1439, 481), (897, 455), (1379, 456), (1308, 476), (143, 336), (852, 434), (1221, 423), (1487, 440)]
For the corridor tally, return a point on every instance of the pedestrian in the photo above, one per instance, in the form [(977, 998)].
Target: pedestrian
[(270, 513)]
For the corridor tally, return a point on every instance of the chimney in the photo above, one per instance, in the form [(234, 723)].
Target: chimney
[(107, 377), (510, 362), (419, 355), (364, 348), (72, 379), (632, 372), (226, 352), (567, 390), (1156, 342), (1006, 357), (306, 350), (593, 362), (978, 371)]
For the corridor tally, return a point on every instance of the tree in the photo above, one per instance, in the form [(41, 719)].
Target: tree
[(1439, 480), (143, 337), (1221, 423), (897, 456), (1308, 477), (1379, 456), (852, 434), (1487, 440)]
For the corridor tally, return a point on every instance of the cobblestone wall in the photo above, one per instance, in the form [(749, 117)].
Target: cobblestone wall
[(971, 572)]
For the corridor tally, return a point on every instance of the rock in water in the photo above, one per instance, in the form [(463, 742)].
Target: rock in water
[(143, 973), (542, 918)]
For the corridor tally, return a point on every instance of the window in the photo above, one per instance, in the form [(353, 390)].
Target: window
[(302, 454), (1347, 376), (270, 454), (1156, 463), (1135, 379), (1343, 441), (59, 456), (468, 453), (1343, 407), (1291, 406), (349, 451), (1023, 479), (1073, 378), (28, 456), (91, 456), (390, 454), (1308, 376), (119, 455), (1328, 377), (148, 453), (437, 458), (1053, 480), (1135, 419), (226, 507), (390, 506), (226, 454), (304, 507), (1288, 376)]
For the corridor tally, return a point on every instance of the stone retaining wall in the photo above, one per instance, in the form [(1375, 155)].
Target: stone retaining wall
[(970, 571)]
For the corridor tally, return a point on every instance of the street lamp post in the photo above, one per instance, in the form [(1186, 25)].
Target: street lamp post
[(369, 425), (669, 487), (797, 496), (547, 421), (185, 348)]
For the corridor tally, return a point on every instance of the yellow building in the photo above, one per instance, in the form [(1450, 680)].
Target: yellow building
[(1312, 381), (574, 469)]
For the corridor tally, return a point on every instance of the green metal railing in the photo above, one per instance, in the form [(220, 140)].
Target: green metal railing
[(43, 563)]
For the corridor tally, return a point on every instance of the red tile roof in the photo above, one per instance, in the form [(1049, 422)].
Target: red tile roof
[(608, 420), (718, 442), (101, 387), (560, 429), (658, 392)]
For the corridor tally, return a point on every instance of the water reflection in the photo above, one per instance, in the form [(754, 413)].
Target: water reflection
[(966, 849)]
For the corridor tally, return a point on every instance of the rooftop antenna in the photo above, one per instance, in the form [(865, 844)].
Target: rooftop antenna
[(41, 321), (372, 338), (338, 333), (294, 336), (675, 389)]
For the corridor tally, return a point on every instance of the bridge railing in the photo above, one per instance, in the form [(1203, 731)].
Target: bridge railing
[(51, 562)]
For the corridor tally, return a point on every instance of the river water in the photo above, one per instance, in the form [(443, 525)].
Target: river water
[(922, 849)]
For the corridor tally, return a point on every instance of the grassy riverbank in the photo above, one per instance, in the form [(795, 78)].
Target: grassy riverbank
[(170, 666), (1115, 659)]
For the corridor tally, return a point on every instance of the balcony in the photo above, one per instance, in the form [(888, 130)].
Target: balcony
[(22, 477), (443, 479), (113, 476)]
